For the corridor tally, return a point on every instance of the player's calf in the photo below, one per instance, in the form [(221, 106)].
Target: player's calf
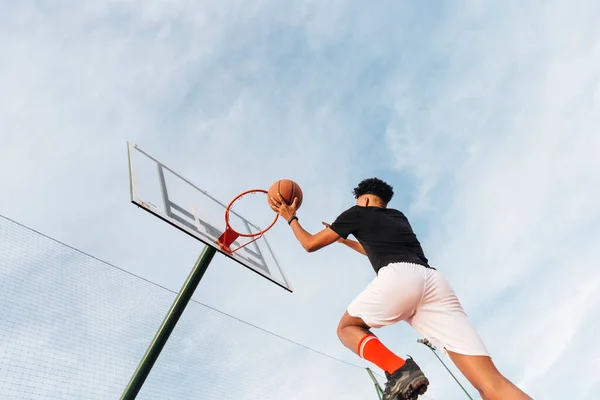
[(485, 377)]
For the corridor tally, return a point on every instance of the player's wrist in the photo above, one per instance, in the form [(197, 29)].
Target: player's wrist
[(291, 219)]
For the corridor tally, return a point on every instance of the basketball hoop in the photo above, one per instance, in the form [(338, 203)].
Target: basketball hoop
[(230, 234)]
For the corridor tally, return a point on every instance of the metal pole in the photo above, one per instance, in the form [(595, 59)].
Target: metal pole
[(377, 387), (168, 324), (428, 344)]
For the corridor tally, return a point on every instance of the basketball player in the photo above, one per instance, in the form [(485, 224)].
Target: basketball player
[(405, 288)]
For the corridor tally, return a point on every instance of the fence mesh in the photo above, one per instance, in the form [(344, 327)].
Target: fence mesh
[(75, 327)]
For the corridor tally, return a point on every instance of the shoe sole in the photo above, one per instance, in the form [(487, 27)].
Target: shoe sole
[(416, 388)]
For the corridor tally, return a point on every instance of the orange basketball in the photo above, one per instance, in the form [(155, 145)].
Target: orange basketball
[(288, 190)]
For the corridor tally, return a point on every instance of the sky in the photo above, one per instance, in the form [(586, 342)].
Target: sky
[(483, 116)]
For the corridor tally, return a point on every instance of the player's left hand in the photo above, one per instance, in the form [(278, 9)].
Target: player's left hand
[(278, 205)]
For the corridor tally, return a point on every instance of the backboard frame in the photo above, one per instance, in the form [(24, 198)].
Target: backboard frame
[(174, 220)]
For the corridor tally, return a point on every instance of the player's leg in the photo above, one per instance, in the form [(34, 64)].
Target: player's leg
[(391, 297), (441, 319), (355, 334), (485, 377), (351, 330), (405, 378)]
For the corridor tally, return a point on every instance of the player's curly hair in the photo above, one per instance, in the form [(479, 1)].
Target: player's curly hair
[(374, 186)]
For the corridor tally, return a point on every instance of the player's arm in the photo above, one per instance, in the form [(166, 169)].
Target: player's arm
[(353, 244), (313, 242), (308, 241)]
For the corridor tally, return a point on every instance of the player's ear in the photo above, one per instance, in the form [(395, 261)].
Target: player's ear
[(367, 200)]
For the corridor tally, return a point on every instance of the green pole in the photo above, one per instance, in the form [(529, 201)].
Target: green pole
[(428, 344), (377, 387), (168, 324)]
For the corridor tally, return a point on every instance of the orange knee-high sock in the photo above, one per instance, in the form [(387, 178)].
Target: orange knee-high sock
[(371, 349)]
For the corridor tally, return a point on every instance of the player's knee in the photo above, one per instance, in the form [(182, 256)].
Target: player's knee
[(343, 327), (339, 333), (340, 329), (340, 326)]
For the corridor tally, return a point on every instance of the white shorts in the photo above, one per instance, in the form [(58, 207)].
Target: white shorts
[(423, 298)]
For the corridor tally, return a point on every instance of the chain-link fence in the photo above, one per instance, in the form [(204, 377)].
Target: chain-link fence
[(75, 327)]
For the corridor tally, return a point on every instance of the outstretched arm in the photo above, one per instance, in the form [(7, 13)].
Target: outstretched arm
[(313, 242), (309, 242)]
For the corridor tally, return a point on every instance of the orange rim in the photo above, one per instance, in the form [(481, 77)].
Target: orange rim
[(247, 234)]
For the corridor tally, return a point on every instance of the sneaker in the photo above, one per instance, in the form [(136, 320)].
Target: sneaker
[(406, 383)]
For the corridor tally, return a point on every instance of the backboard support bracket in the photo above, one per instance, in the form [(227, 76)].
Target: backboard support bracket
[(227, 238)]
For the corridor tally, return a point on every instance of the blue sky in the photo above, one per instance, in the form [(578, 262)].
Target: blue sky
[(482, 115)]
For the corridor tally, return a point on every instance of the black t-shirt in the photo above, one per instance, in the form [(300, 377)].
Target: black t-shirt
[(384, 233)]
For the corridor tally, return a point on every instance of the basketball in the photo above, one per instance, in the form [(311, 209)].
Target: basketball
[(288, 190)]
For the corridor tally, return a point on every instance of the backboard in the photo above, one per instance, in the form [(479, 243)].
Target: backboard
[(169, 196)]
